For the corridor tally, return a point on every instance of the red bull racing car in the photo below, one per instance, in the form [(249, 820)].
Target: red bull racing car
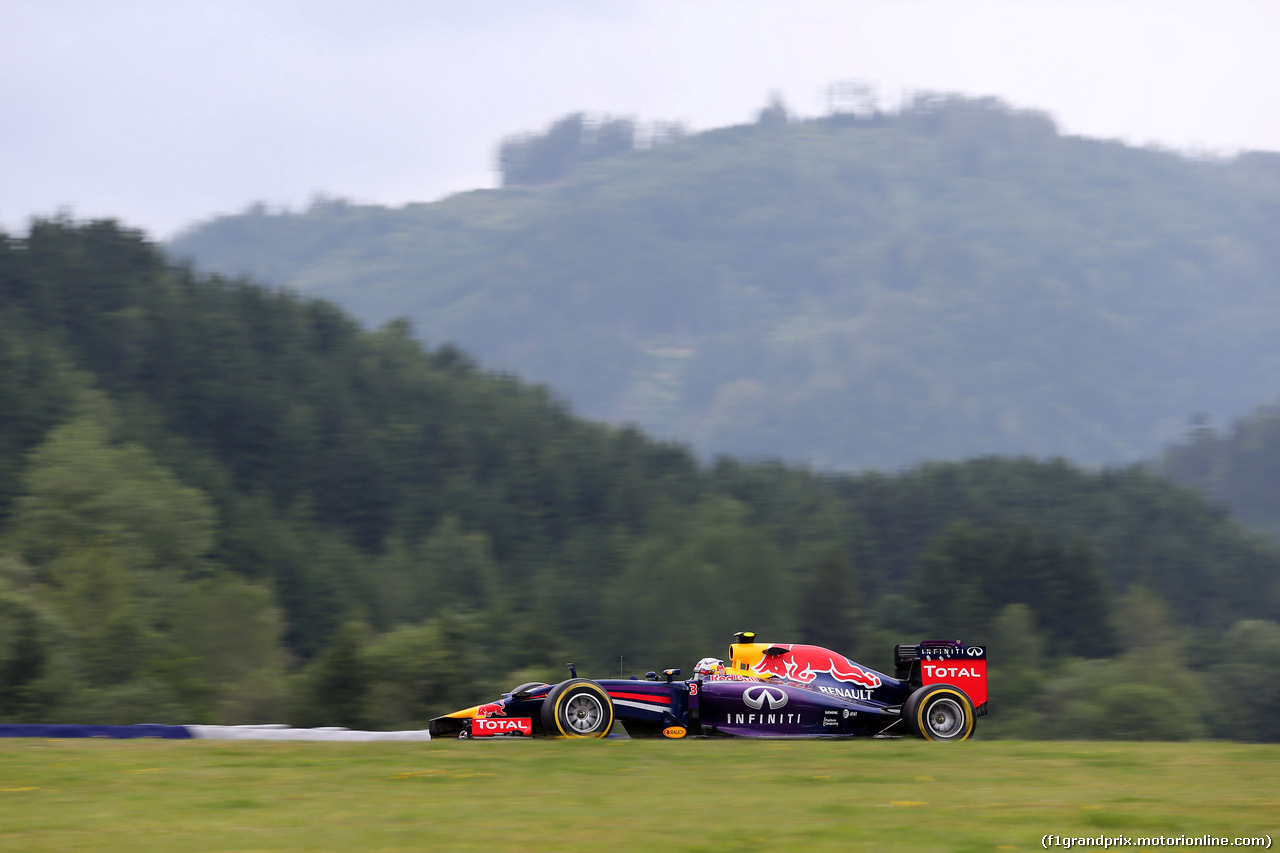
[(937, 692)]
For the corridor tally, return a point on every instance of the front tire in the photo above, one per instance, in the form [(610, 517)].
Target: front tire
[(577, 708), (940, 712)]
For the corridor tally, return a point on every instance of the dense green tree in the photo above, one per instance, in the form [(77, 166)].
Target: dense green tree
[(1017, 671), (1247, 680), (37, 676), (111, 537), (685, 588), (36, 391), (827, 612), (970, 574), (231, 627), (83, 492), (339, 681), (532, 159), (1147, 693), (419, 671)]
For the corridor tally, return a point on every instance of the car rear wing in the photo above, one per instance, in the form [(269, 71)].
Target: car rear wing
[(944, 662)]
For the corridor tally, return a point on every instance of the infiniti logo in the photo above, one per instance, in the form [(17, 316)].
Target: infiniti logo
[(756, 697)]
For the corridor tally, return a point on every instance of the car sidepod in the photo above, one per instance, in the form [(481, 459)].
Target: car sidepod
[(771, 709), (654, 708)]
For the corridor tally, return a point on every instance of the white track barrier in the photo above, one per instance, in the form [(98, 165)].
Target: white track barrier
[(280, 732)]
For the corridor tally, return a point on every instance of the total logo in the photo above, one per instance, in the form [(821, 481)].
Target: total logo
[(515, 727), (935, 671)]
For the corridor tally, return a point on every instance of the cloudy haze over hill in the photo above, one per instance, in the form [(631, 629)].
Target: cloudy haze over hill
[(161, 113)]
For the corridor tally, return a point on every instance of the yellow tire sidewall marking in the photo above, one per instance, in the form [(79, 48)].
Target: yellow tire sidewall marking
[(965, 705), (608, 704)]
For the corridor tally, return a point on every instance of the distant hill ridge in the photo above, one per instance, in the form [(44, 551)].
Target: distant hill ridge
[(951, 280)]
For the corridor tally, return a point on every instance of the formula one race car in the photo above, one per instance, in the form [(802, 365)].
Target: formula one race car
[(938, 689)]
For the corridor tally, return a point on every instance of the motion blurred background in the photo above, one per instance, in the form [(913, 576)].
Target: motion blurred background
[(359, 361)]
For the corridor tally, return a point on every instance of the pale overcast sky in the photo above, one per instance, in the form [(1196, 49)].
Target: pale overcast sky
[(161, 113)]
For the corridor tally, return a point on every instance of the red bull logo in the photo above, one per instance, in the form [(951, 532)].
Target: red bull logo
[(491, 709), (804, 663)]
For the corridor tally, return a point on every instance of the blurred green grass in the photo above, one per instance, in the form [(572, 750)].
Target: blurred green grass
[(623, 795)]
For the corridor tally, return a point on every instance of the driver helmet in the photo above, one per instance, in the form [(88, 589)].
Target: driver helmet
[(708, 666)]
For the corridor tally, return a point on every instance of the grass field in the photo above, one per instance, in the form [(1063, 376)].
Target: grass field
[(621, 795)]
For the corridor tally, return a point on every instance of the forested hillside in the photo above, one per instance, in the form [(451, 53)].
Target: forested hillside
[(870, 290), (1237, 467), (220, 502)]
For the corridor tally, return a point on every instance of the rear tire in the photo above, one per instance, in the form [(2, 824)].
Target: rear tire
[(939, 712), (577, 708)]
